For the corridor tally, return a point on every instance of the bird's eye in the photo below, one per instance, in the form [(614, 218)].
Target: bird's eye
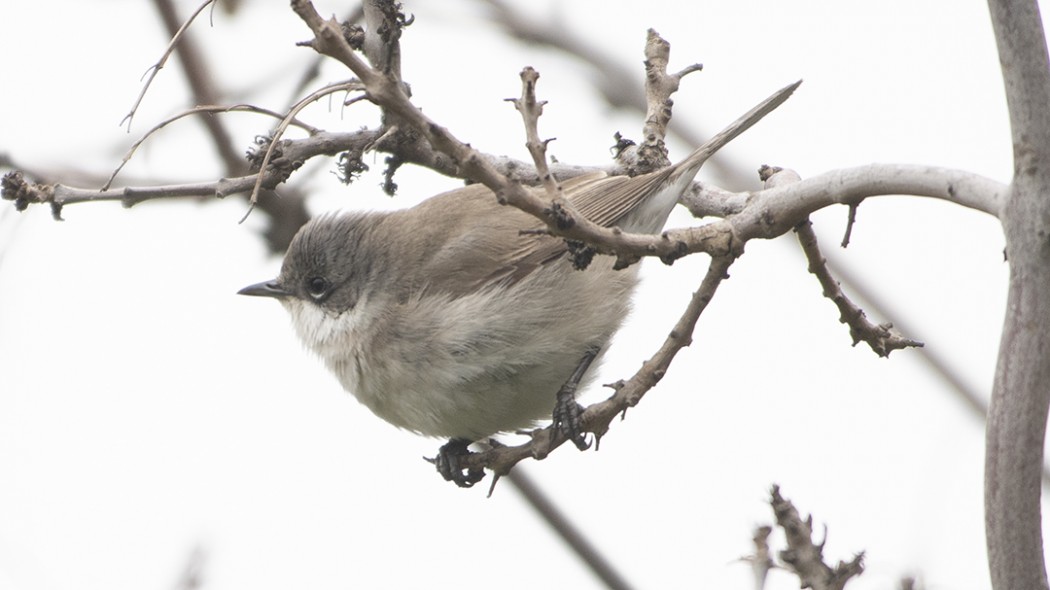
[(317, 287)]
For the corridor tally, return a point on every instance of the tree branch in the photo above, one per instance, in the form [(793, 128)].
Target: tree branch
[(291, 154), (805, 557), (659, 87), (607, 74), (286, 214), (531, 109), (1021, 393), (879, 337), (268, 154), (761, 560), (177, 31), (199, 110), (597, 417)]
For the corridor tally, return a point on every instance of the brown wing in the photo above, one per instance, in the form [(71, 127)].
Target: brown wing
[(603, 199), (606, 200), (490, 249)]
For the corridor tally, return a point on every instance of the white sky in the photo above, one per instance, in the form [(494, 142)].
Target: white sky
[(145, 409)]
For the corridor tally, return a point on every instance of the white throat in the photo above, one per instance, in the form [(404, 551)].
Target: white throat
[(329, 335)]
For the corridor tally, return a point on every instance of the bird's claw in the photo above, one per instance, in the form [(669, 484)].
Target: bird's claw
[(447, 463), (567, 420)]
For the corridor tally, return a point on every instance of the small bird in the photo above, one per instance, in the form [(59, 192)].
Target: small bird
[(446, 319)]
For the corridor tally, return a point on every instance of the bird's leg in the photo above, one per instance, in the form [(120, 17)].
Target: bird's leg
[(447, 463), (566, 410)]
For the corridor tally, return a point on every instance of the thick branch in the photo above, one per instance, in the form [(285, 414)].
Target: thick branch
[(716, 239), (851, 185), (1021, 392)]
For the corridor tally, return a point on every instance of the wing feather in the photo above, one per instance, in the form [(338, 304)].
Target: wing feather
[(490, 249)]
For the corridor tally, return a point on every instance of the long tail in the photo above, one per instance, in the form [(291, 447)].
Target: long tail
[(691, 165)]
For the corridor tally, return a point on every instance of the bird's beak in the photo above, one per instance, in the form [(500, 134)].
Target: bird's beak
[(265, 289)]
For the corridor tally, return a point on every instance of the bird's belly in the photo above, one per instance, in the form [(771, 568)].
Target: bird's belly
[(446, 402)]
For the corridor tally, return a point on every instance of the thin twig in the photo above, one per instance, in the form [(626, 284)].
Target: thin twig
[(606, 73), (153, 70), (761, 560), (312, 71), (283, 126), (286, 214), (879, 337), (531, 110), (387, 92), (204, 109), (849, 224), (23, 192)]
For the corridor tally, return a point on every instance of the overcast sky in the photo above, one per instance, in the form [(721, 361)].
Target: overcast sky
[(146, 410)]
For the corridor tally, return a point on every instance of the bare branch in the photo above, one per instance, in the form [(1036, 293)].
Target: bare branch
[(157, 67), (607, 74), (283, 126), (1017, 415), (530, 110), (879, 337), (603, 568), (24, 193), (852, 185), (761, 560), (850, 221), (199, 110), (597, 417), (553, 33), (286, 214), (382, 42), (659, 87), (312, 71), (563, 220), (292, 154), (805, 557)]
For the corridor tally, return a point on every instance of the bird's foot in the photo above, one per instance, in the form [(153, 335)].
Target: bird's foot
[(567, 413), (448, 460), (567, 420)]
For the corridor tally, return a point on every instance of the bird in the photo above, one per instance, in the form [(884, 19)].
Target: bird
[(460, 318)]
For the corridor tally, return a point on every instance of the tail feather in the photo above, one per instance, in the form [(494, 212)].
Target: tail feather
[(691, 164)]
